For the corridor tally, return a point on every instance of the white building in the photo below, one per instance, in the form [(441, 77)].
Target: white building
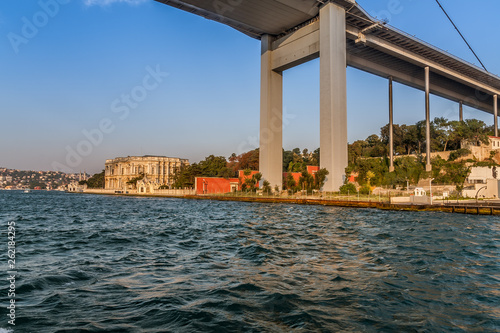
[(482, 151), (158, 170), (485, 180), (480, 175)]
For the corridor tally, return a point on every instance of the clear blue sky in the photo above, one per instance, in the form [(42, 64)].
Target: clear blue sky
[(70, 74)]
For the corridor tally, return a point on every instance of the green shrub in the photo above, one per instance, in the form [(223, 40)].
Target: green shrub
[(458, 153), (348, 188), (365, 190)]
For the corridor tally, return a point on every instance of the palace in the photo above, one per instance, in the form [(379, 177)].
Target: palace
[(153, 170)]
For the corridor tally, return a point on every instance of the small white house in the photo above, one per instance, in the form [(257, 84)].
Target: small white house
[(419, 196), (420, 192)]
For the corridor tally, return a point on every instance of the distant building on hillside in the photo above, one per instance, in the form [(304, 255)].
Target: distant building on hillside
[(480, 150), (155, 171)]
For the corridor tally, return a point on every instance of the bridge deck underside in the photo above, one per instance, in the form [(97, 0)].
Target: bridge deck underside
[(254, 18), (391, 53), (381, 64)]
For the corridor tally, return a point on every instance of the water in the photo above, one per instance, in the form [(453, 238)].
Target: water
[(114, 264)]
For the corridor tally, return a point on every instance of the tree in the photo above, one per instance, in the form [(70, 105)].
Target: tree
[(410, 138), (251, 182), (248, 160), (315, 157), (471, 130), (213, 166), (369, 176), (320, 178), (306, 181), (185, 176), (458, 172), (290, 182), (287, 159), (398, 137), (96, 181), (420, 129), (266, 186), (257, 177), (411, 168), (442, 133), (134, 180), (348, 188), (355, 151)]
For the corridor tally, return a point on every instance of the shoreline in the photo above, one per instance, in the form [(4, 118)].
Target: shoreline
[(472, 209)]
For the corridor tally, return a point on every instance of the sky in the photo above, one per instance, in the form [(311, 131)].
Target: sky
[(69, 67)]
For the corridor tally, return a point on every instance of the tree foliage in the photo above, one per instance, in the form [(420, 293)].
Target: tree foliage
[(296, 160), (248, 160), (250, 183), (320, 178), (96, 181), (134, 180), (410, 139), (211, 166), (348, 188)]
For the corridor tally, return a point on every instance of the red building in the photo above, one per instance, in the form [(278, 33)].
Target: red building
[(241, 175), (312, 169), (296, 175), (215, 185)]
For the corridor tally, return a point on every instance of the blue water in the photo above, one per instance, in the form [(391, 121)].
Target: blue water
[(120, 264)]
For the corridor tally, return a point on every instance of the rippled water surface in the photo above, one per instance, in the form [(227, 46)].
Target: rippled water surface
[(114, 264)]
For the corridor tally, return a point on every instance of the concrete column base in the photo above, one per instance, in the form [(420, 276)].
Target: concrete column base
[(333, 95), (271, 119)]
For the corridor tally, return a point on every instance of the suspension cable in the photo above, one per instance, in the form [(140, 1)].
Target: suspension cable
[(465, 40)]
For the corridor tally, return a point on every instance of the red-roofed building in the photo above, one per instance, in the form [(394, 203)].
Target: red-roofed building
[(312, 169), (212, 185), (241, 175)]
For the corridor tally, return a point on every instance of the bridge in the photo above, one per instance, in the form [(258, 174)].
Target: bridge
[(341, 34)]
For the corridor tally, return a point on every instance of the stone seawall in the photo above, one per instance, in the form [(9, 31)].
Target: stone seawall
[(463, 208)]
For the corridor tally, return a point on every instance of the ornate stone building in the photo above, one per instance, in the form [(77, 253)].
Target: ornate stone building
[(157, 171)]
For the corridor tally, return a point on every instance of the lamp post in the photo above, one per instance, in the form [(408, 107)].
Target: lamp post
[(430, 188), (477, 193)]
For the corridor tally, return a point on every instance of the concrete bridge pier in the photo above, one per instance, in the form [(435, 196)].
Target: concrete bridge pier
[(271, 118), (333, 95), (326, 40), (495, 113), (391, 127), (428, 166)]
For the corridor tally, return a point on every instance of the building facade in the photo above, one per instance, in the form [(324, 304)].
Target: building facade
[(214, 185), (155, 170), (482, 151), (218, 185)]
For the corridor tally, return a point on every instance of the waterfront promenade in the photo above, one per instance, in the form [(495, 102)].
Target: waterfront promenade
[(480, 207)]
